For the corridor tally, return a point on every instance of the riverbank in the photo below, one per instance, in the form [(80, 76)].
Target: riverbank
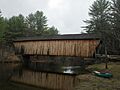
[(91, 82)]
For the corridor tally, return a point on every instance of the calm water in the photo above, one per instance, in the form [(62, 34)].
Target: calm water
[(5, 72), (7, 69), (56, 68), (12, 86)]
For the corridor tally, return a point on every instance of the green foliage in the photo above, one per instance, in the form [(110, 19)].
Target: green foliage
[(105, 21), (3, 27), (37, 25), (100, 22), (37, 22), (115, 22), (116, 19), (51, 31), (99, 13), (19, 26), (16, 28)]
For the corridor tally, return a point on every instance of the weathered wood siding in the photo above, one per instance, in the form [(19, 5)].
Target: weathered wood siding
[(82, 48), (51, 81)]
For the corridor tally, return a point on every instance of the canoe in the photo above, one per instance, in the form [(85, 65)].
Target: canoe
[(104, 75)]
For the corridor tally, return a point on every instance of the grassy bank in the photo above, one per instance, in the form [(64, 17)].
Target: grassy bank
[(91, 82)]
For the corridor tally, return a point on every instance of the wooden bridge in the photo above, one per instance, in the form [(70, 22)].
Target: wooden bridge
[(82, 45)]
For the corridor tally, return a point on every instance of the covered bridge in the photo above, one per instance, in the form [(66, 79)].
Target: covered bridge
[(82, 45)]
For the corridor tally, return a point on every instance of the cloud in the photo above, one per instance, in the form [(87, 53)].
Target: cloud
[(69, 16), (55, 3)]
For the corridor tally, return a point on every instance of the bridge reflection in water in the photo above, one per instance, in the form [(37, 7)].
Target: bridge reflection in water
[(61, 78)]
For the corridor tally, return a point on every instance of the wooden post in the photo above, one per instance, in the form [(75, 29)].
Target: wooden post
[(2, 53), (106, 61)]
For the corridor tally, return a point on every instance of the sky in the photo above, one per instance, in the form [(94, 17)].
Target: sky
[(66, 15)]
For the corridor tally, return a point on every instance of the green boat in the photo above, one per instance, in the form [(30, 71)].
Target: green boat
[(104, 75)]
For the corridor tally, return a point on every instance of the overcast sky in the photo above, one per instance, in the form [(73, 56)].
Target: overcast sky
[(66, 15)]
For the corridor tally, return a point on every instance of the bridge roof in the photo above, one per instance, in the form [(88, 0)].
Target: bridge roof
[(59, 37)]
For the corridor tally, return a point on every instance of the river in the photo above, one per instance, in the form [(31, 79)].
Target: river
[(6, 70)]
